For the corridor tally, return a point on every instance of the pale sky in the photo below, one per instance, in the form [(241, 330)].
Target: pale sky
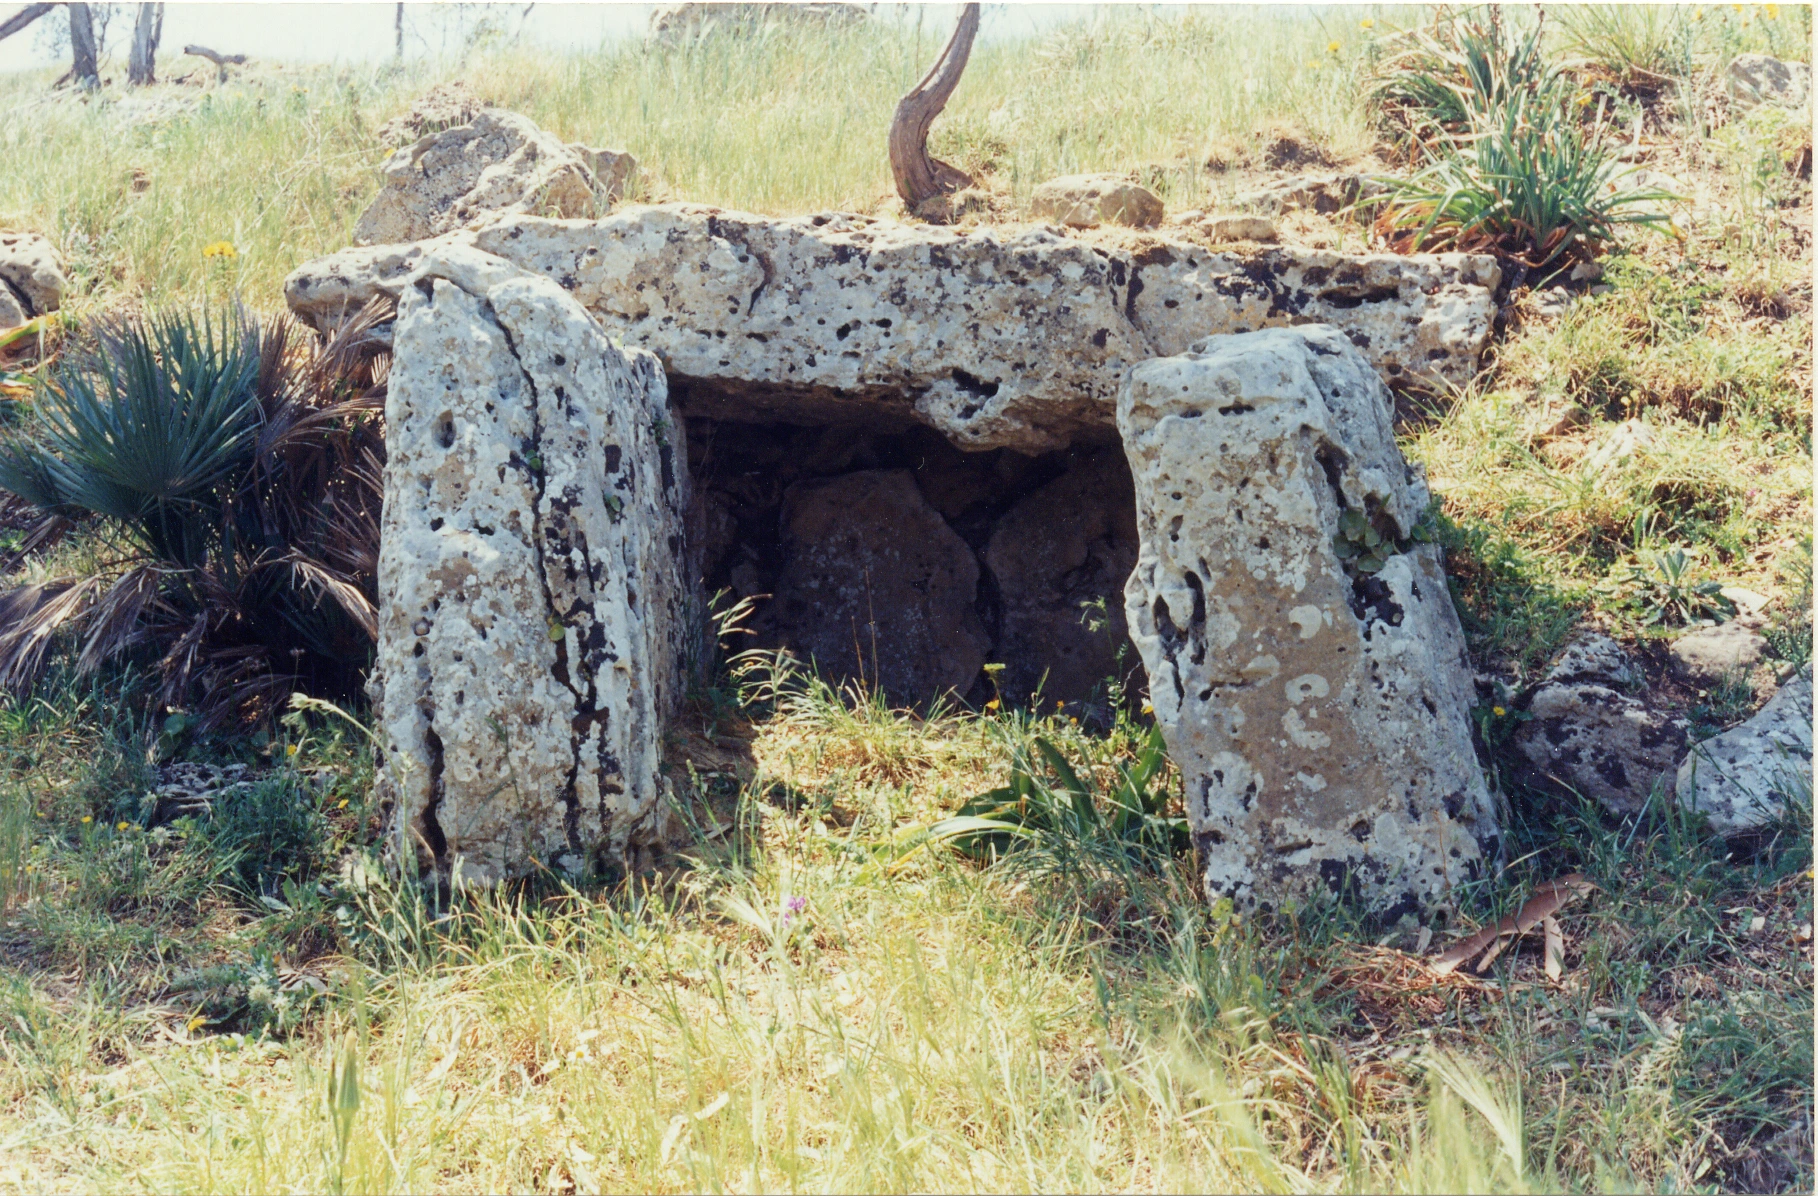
[(359, 32)]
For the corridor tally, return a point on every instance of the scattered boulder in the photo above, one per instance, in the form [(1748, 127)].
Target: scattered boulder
[(1053, 556), (1240, 228), (441, 107), (671, 23), (499, 163), (1710, 654), (1755, 79), (1017, 340), (614, 171), (1324, 194), (533, 601), (1585, 735), (1744, 778), (875, 586), (1304, 659), (1089, 200), (31, 278)]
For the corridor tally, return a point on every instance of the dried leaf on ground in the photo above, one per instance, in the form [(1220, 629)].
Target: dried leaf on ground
[(1547, 900)]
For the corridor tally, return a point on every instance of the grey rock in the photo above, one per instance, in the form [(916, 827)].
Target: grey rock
[(1586, 736), (31, 277), (1054, 555), (1321, 193), (995, 339), (1594, 657), (1710, 654), (1089, 200), (1317, 707), (876, 588), (1745, 777), (1241, 228), (1755, 79), (534, 608), (474, 173), (614, 171)]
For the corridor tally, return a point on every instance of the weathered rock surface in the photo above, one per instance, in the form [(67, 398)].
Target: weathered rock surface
[(1053, 555), (1317, 706), (1089, 200), (1585, 735), (997, 340), (614, 171), (1241, 228), (1711, 654), (1744, 778), (1321, 193), (441, 107), (875, 585), (31, 278), (533, 616), (470, 174), (675, 22), (1763, 79)]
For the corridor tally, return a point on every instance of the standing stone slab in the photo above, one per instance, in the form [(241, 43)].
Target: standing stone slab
[(1317, 706), (531, 567)]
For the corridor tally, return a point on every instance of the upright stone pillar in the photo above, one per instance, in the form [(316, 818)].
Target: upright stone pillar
[(1305, 662), (532, 615)]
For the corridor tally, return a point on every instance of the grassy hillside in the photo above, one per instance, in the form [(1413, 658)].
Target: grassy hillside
[(814, 993)]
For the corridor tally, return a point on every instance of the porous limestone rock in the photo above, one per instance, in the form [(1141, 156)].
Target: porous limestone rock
[(1744, 778), (876, 586), (997, 339), (1763, 79), (31, 277), (1711, 654), (1089, 200), (1585, 734), (614, 171), (533, 603), (1240, 228), (469, 174), (1305, 662), (1321, 193), (441, 107), (1054, 556)]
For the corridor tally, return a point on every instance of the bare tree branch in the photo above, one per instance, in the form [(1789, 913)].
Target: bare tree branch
[(221, 61), (22, 18), (920, 177)]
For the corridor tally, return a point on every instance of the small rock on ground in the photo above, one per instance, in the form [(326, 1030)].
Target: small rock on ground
[(1743, 778), (1089, 200), (1711, 654)]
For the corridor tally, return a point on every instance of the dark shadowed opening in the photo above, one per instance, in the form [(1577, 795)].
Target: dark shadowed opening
[(892, 557)]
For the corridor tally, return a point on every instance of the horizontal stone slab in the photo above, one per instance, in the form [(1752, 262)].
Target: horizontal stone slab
[(998, 338)]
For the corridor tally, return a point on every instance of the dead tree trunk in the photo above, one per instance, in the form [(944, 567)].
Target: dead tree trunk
[(22, 18), (141, 65), (85, 58), (919, 176), (221, 61)]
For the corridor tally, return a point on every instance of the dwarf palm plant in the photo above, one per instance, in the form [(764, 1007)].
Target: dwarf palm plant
[(231, 478)]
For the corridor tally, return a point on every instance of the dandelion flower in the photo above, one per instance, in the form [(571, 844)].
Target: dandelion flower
[(1071, 721), (87, 818), (1583, 99), (1498, 711), (123, 826), (1331, 47), (290, 749), (220, 249), (1367, 23), (993, 704)]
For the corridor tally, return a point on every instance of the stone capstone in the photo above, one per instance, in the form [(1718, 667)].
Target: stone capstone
[(473, 173), (995, 339), (1755, 79), (1059, 558), (1711, 654), (1744, 778), (534, 613), (31, 278), (875, 586), (1304, 660), (1089, 200), (1584, 734)]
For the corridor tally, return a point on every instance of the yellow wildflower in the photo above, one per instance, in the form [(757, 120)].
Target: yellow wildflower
[(220, 249), (1770, 11), (87, 818), (123, 826), (993, 704), (1583, 99), (1367, 23), (1148, 707), (1498, 711), (1071, 721), (341, 805), (1331, 47), (190, 1026), (290, 749)]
